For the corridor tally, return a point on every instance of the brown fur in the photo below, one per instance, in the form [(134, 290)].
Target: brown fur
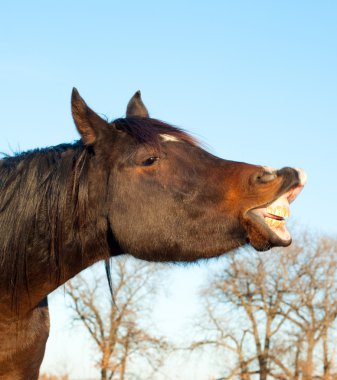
[(121, 189)]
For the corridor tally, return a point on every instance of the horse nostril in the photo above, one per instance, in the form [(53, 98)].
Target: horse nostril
[(264, 177)]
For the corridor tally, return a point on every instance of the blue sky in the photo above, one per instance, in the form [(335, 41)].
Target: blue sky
[(255, 80)]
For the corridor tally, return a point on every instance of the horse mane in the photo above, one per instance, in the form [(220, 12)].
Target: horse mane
[(34, 187)]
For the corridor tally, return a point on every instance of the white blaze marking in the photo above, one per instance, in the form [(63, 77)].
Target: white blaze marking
[(169, 138)]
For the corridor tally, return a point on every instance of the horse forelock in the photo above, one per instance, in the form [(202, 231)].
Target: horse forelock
[(149, 131)]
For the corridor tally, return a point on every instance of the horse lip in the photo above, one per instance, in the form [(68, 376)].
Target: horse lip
[(297, 185), (259, 219), (290, 191)]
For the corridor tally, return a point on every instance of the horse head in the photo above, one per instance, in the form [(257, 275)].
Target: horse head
[(168, 199)]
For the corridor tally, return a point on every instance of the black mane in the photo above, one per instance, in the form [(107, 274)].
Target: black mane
[(33, 190)]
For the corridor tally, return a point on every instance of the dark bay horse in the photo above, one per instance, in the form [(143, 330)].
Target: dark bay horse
[(135, 185)]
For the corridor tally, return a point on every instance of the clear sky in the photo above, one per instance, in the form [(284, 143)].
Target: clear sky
[(255, 80)]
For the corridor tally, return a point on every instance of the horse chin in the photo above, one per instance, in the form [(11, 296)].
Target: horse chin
[(262, 236)]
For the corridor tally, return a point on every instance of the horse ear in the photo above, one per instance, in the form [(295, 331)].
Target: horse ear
[(86, 120), (136, 107)]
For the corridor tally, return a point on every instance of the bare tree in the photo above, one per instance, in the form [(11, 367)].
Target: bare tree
[(313, 306), (251, 286), (273, 312), (119, 327)]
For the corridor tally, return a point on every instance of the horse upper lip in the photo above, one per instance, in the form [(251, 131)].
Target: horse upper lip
[(291, 192), (302, 176)]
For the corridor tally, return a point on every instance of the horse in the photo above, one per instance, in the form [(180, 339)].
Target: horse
[(137, 186)]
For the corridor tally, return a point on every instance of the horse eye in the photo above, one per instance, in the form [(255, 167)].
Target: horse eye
[(119, 127), (150, 161)]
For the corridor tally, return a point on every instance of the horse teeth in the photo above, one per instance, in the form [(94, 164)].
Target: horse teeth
[(279, 211), (274, 222)]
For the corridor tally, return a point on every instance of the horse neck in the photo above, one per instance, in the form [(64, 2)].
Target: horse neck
[(53, 225)]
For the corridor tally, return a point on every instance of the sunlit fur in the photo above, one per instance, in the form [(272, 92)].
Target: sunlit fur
[(120, 189)]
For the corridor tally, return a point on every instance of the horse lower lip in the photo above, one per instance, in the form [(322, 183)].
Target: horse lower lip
[(273, 230)]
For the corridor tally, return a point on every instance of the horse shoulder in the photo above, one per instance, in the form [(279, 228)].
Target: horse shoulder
[(23, 344)]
